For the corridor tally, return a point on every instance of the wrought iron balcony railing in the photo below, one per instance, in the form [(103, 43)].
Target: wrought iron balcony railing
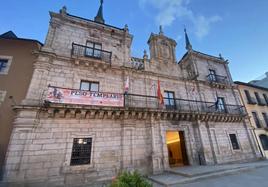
[(151, 102), (212, 78), (89, 52)]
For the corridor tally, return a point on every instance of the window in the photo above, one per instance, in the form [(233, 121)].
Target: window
[(220, 105), (266, 98), (81, 152), (89, 86), (2, 96), (3, 64), (265, 118), (169, 100), (264, 141), (93, 49), (248, 96), (234, 141), (256, 119), (258, 98), (212, 75)]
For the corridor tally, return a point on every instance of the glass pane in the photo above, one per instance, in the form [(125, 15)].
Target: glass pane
[(166, 94), (84, 86), (90, 44), (97, 46), (89, 52), (171, 95), (97, 53), (166, 101), (94, 87), (172, 102)]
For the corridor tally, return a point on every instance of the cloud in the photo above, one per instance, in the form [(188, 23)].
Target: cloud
[(170, 10)]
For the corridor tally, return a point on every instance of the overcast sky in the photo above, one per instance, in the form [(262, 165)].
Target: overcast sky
[(238, 29)]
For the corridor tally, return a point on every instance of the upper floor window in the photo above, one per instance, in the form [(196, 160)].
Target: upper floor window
[(89, 86), (93, 49), (3, 64), (212, 75), (265, 118), (234, 141), (169, 100), (266, 98), (249, 98), (264, 141), (256, 119), (81, 151), (220, 104), (258, 97)]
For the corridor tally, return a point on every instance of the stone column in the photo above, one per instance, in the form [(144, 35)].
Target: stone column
[(19, 145), (38, 86)]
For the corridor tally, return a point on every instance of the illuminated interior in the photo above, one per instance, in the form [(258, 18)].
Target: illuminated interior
[(174, 146)]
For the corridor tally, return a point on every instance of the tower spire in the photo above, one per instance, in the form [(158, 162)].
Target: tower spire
[(187, 41), (99, 17)]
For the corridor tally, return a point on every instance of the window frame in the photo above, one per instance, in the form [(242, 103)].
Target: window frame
[(248, 96), (88, 159), (212, 75), (258, 97), (235, 144), (265, 98), (221, 106), (263, 143), (5, 69), (256, 119), (265, 118), (169, 105), (93, 49), (90, 83)]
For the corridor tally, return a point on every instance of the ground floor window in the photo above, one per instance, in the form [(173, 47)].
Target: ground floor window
[(81, 152), (264, 141), (234, 141)]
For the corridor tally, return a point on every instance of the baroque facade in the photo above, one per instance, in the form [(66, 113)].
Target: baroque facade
[(90, 130)]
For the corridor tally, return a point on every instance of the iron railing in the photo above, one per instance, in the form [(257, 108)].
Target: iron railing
[(152, 102), (212, 78), (89, 52)]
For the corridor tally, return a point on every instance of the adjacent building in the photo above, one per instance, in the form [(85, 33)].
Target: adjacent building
[(93, 110), (16, 68), (255, 99), (262, 81)]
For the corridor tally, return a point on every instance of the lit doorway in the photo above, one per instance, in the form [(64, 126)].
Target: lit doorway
[(177, 154)]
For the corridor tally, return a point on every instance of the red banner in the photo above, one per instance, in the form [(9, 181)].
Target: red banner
[(71, 96)]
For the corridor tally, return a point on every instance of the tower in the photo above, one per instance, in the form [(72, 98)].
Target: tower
[(162, 48)]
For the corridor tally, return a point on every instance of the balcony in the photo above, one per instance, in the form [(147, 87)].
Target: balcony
[(181, 105), (64, 102), (217, 80), (89, 52)]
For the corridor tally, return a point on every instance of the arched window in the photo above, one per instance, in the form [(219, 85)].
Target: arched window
[(264, 141)]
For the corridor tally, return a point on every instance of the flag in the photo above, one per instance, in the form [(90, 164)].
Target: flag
[(127, 85), (159, 94)]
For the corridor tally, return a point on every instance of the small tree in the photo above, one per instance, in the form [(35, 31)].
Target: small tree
[(130, 179)]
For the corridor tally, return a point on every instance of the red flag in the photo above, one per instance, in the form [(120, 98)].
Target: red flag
[(159, 94)]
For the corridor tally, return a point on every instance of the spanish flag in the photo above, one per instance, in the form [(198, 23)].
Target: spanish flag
[(159, 94)]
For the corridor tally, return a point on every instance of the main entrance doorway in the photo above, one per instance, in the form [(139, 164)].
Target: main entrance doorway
[(176, 148)]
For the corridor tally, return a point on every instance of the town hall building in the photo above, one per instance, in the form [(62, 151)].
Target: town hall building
[(92, 110)]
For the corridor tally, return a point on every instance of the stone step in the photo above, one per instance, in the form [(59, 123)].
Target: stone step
[(173, 178)]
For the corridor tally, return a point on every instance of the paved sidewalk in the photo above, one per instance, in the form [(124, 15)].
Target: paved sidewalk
[(189, 174)]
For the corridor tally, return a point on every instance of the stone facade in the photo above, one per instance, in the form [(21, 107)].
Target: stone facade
[(259, 108), (129, 137)]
